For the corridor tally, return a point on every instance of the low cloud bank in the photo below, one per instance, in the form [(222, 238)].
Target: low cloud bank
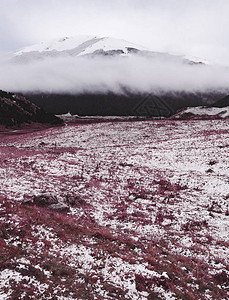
[(101, 75)]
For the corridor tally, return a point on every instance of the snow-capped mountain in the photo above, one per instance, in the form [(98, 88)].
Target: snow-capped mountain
[(77, 77), (84, 45), (77, 46), (81, 45)]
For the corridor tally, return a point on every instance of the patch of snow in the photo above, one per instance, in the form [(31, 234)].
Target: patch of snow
[(205, 111)]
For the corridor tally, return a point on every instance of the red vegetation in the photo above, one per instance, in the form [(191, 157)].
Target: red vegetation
[(142, 220)]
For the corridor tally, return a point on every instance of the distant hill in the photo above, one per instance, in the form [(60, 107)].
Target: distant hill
[(16, 110), (148, 105)]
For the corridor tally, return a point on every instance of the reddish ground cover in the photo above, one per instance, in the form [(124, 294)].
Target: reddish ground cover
[(147, 211)]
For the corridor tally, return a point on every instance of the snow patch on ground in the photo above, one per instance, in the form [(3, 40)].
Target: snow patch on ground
[(152, 181)]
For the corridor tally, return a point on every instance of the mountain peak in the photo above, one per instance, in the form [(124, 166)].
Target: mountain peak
[(86, 45), (81, 44)]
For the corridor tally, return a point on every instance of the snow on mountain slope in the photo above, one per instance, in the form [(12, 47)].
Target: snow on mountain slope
[(80, 45), (83, 45), (62, 44), (109, 44)]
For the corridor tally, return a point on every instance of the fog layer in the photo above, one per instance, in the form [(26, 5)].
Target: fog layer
[(116, 74)]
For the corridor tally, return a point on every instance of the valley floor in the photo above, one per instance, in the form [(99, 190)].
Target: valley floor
[(148, 214)]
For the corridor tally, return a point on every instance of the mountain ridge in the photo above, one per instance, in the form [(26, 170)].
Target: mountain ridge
[(81, 46)]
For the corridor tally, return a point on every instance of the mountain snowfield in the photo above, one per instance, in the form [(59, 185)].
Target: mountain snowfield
[(82, 45)]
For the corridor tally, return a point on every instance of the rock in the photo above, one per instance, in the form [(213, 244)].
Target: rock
[(48, 201), (28, 200), (45, 200), (215, 207), (60, 207), (75, 201)]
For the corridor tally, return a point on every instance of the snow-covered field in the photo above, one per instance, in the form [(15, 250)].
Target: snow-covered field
[(150, 218)]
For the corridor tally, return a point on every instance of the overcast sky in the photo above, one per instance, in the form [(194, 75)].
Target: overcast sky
[(193, 27)]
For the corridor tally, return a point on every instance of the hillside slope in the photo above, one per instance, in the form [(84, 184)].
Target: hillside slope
[(147, 212), (16, 110)]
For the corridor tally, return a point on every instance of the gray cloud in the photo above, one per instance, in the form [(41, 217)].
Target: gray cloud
[(138, 74), (195, 28)]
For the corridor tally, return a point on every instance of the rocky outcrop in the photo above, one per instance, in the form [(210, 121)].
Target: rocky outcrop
[(47, 201), (16, 110), (202, 113), (60, 204), (222, 102)]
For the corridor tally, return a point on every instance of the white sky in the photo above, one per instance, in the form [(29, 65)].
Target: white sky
[(191, 27)]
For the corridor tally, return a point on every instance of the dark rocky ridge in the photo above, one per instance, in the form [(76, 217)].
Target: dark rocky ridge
[(128, 104), (222, 102), (16, 110)]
